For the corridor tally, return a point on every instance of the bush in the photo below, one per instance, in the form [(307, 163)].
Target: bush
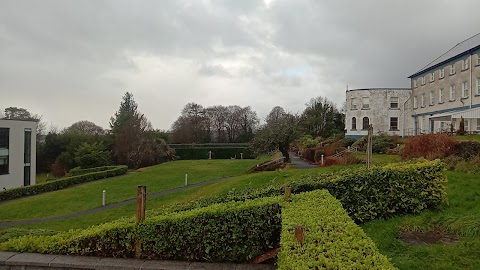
[(60, 183), (332, 240), (346, 142), (12, 233), (380, 192), (217, 153), (235, 231), (467, 149), (472, 166), (380, 143), (92, 155), (429, 146), (451, 162)]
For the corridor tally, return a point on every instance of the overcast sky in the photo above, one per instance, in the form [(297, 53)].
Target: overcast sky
[(74, 60)]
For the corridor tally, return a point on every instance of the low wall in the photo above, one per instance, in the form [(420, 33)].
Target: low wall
[(35, 261)]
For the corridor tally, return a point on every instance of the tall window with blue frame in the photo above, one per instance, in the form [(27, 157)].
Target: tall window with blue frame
[(4, 150)]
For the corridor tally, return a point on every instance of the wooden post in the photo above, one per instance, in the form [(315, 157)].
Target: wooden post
[(369, 146), (141, 201), (299, 234), (288, 193)]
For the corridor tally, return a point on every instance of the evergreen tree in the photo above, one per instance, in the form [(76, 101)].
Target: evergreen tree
[(127, 110)]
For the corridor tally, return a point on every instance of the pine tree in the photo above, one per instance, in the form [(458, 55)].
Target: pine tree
[(128, 108)]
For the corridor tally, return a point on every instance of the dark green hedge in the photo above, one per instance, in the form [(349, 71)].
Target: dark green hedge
[(217, 153), (332, 239), (235, 231), (80, 171), (380, 192), (60, 183)]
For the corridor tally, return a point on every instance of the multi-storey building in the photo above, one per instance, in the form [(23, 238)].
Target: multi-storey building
[(387, 109), (448, 89), (17, 153)]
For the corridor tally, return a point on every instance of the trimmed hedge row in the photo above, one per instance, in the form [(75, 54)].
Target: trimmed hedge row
[(235, 231), (60, 183), (217, 153), (332, 240), (380, 192), (79, 171)]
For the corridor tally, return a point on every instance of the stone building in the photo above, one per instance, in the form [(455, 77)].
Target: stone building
[(17, 153), (387, 109), (448, 89)]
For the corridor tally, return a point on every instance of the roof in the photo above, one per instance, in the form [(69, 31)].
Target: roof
[(459, 49), (385, 88)]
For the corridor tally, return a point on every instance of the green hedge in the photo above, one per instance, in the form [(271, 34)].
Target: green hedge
[(235, 231), (332, 239), (79, 171), (380, 192), (60, 183), (217, 153)]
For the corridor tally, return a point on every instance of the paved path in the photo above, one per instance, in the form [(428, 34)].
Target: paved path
[(107, 207), (299, 163)]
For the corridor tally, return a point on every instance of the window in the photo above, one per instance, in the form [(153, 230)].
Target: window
[(441, 73), (452, 69), (365, 123), (354, 123), (414, 83), (441, 96), (4, 147), (353, 104), (465, 121), (465, 89), (452, 92), (423, 100), (393, 123), (365, 103), (465, 64), (432, 98), (423, 80), (432, 77), (393, 102), (478, 86), (478, 124), (415, 105), (478, 59), (27, 149)]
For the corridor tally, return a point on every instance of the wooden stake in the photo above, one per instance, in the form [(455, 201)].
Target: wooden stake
[(299, 234), (141, 201), (288, 193)]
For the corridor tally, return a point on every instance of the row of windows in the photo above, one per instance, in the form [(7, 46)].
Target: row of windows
[(366, 123), (366, 103), (441, 72), (4, 147), (441, 94)]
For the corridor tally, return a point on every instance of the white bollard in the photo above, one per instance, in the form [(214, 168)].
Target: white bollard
[(104, 197), (186, 179), (209, 154), (322, 160)]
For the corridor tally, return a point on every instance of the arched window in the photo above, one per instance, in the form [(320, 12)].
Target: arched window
[(366, 123), (354, 123)]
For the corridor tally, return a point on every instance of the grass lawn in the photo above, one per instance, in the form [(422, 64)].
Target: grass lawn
[(253, 180), (87, 196), (461, 217), (467, 138)]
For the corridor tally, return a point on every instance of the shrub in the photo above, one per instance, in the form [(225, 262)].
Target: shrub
[(466, 149), (60, 183), (349, 159), (451, 162), (380, 192), (92, 155), (235, 231), (429, 146), (12, 233), (217, 153), (381, 143), (332, 240), (472, 166), (346, 142)]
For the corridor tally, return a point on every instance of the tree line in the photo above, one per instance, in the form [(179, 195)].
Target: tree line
[(131, 139)]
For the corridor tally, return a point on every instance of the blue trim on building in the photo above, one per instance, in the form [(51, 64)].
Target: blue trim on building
[(448, 110), (446, 62), (355, 137)]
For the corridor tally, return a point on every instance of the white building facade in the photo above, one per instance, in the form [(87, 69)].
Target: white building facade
[(17, 153), (388, 110), (448, 89)]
